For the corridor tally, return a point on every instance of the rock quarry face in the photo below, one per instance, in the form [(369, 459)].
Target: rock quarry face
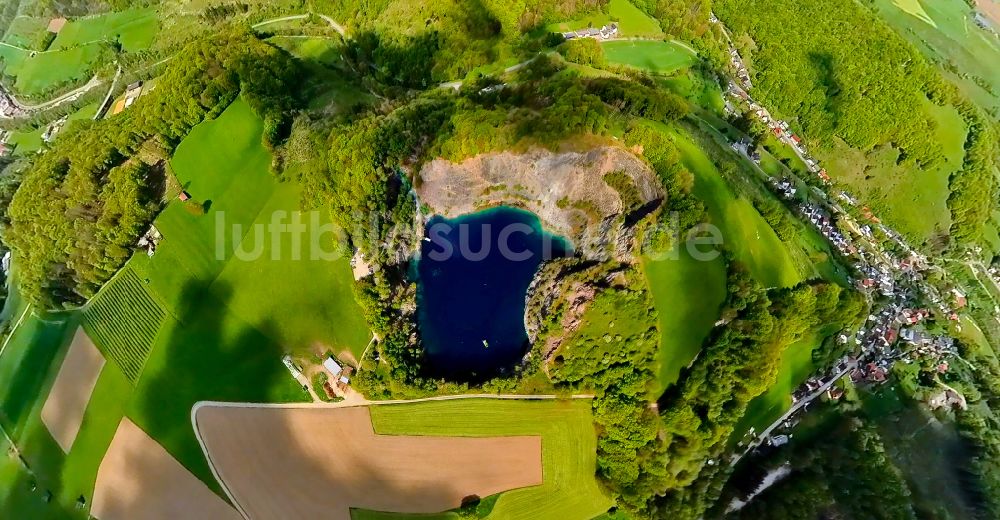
[(566, 190)]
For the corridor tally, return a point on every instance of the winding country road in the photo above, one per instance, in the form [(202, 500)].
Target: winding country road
[(802, 403), (333, 23), (72, 95)]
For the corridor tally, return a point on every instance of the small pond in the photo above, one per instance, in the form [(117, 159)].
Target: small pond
[(473, 274)]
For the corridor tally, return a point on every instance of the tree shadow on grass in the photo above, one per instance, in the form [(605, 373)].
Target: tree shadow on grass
[(41, 459), (207, 354)]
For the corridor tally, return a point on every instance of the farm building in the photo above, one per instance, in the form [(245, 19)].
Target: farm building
[(56, 24), (604, 33), (332, 367)]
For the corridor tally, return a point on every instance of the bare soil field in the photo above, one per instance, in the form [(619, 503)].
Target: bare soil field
[(990, 8), (321, 462), (566, 190), (139, 480), (67, 401)]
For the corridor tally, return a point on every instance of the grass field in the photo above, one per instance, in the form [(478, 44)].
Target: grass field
[(36, 74), (660, 57), (211, 328), (796, 365), (229, 319), (688, 295), (632, 21), (28, 367), (944, 31), (569, 446), (744, 231), (76, 50), (688, 292), (134, 29), (24, 30)]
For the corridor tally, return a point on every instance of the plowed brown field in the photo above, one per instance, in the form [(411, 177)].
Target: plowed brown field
[(139, 480), (321, 462), (67, 401)]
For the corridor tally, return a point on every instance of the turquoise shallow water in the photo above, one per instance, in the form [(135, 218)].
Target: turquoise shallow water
[(473, 274)]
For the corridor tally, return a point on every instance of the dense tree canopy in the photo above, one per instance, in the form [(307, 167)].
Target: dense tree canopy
[(737, 364), (83, 204), (812, 63)]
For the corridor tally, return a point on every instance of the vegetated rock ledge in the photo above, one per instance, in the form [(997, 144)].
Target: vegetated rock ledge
[(567, 190)]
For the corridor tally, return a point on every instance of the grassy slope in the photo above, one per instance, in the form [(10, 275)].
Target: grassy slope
[(28, 368), (744, 231), (688, 292), (655, 56), (688, 295), (286, 291), (74, 50), (796, 365), (231, 320), (569, 446), (30, 140), (632, 22), (24, 30), (951, 36), (913, 201), (135, 29)]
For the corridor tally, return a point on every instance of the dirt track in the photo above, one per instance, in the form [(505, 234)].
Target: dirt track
[(139, 480), (320, 462), (67, 401)]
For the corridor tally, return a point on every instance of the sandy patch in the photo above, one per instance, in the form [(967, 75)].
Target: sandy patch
[(991, 9), (320, 462), (67, 401), (139, 480)]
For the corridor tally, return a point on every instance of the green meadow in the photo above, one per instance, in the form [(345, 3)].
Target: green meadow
[(188, 324), (661, 57), (134, 29), (569, 449), (232, 315), (744, 232), (796, 366), (688, 292), (30, 140), (79, 47), (45, 70), (24, 31), (632, 21), (28, 366), (912, 200), (945, 32), (688, 295)]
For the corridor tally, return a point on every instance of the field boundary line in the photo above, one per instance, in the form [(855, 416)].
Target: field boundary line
[(342, 404), (14, 329)]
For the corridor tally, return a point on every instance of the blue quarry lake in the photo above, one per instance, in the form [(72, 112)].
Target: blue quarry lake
[(473, 274)]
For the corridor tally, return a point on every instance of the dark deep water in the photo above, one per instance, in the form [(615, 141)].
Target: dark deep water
[(473, 274)]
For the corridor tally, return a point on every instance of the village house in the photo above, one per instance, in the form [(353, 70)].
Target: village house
[(606, 32)]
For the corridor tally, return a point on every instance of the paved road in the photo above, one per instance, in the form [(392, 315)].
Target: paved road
[(791, 411), (64, 98), (107, 97)]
